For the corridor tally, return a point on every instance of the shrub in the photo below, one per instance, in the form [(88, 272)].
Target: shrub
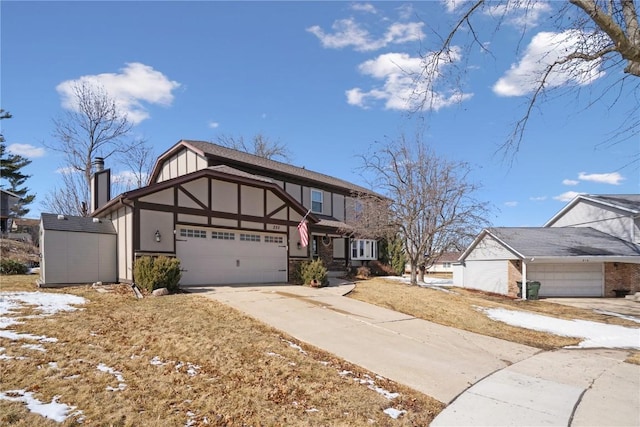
[(153, 273), (314, 270), (9, 266), (363, 272), (379, 269)]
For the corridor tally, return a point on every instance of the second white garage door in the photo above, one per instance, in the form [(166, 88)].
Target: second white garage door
[(568, 280), (215, 256)]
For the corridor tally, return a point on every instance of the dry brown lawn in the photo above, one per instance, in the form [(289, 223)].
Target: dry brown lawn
[(459, 308), (185, 360)]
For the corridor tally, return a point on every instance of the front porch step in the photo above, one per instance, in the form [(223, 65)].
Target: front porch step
[(336, 273)]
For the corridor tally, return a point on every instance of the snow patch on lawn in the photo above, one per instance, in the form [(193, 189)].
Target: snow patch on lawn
[(595, 335), (117, 374), (58, 412), (47, 303)]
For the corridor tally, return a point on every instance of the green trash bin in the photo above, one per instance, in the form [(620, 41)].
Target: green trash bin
[(533, 288)]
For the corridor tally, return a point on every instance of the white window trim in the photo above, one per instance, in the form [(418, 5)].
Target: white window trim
[(366, 249), (313, 190)]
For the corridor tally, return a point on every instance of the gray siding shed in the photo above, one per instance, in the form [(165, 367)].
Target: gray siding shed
[(77, 250)]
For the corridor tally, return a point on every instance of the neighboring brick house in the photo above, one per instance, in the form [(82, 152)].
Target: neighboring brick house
[(590, 248), (231, 217)]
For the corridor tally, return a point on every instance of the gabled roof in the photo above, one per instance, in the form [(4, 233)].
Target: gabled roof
[(223, 172), (77, 224), (557, 242), (624, 202), (241, 159)]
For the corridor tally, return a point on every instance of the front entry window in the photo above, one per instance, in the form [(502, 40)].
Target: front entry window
[(364, 249)]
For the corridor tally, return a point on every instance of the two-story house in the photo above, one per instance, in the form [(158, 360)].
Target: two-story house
[(590, 248), (231, 217)]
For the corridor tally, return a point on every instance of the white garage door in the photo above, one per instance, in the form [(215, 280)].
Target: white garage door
[(568, 280), (213, 256)]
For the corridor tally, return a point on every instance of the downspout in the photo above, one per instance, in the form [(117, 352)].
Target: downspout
[(524, 280)]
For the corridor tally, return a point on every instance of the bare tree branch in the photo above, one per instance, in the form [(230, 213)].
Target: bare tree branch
[(430, 203), (94, 127), (260, 146)]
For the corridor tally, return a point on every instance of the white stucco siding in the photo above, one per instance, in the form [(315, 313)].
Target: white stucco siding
[(608, 220), (122, 222), (490, 249), (199, 189), (252, 201), (152, 221), (273, 204), (294, 190), (338, 206), (487, 276), (163, 197), (339, 246), (224, 196)]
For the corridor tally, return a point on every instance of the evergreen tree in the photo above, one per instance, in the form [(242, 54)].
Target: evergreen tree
[(11, 166)]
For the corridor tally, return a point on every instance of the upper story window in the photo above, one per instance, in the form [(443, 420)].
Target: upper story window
[(316, 201)]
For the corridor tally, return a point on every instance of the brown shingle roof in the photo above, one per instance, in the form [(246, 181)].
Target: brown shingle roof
[(209, 149)]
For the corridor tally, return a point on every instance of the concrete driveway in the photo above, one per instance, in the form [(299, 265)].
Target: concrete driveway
[(623, 306), (484, 380)]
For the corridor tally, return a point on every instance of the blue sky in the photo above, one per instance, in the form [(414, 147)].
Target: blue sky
[(324, 79)]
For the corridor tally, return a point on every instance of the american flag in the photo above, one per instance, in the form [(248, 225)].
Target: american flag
[(304, 233)]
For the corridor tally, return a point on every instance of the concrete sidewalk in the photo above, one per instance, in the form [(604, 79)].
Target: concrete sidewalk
[(485, 381)]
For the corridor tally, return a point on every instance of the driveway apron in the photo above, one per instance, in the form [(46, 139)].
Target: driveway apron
[(436, 360)]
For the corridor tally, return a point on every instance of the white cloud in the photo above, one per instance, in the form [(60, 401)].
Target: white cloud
[(403, 88), (67, 170), (364, 7), (518, 13), (349, 33), (213, 125), (137, 84), (511, 204), (570, 182), (538, 198), (569, 195), (128, 178), (613, 178), (453, 5), (546, 48), (26, 150)]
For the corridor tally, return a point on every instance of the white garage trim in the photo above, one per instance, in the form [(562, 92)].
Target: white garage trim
[(212, 256), (568, 279)]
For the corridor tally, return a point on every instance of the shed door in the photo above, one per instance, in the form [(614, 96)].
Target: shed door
[(215, 256), (568, 280)]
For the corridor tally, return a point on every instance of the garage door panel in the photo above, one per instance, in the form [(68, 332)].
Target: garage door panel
[(231, 258), (568, 280)]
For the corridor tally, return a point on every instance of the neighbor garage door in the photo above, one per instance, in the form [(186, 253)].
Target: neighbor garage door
[(215, 256), (568, 280)]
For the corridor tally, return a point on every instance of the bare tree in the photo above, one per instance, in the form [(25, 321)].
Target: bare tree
[(139, 161), (71, 198), (260, 146), (430, 201), (592, 38), (93, 127)]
